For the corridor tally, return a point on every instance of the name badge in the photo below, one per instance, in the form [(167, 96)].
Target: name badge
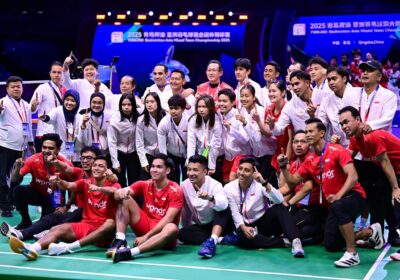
[(69, 148), (305, 200), (25, 129)]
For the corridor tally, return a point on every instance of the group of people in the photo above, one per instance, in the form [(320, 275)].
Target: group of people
[(294, 162)]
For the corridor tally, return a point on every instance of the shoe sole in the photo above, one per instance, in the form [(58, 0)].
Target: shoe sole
[(5, 229), (18, 247), (207, 256), (298, 255), (345, 266)]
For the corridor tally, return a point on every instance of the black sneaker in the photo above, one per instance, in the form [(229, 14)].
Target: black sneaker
[(116, 244), (123, 254)]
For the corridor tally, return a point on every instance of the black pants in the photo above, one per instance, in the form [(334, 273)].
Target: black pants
[(130, 167), (143, 174), (180, 168), (379, 193), (309, 219), (342, 212), (38, 144), (271, 225), (267, 171), (50, 221), (197, 234), (7, 160), (26, 195)]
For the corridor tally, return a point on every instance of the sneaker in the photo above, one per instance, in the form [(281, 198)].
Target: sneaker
[(6, 213), (376, 237), (348, 260), (8, 231), (41, 234), (230, 239), (116, 244), (56, 249), (20, 247), (297, 248), (123, 254), (208, 248), (395, 256)]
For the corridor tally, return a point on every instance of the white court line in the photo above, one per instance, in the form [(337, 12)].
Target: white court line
[(82, 272), (377, 262), (197, 267)]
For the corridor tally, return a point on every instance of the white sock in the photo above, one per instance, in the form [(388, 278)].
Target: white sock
[(120, 235), (36, 246), (215, 238), (74, 245), (135, 251)]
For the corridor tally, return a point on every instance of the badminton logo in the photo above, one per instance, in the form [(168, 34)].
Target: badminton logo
[(299, 29), (117, 37)]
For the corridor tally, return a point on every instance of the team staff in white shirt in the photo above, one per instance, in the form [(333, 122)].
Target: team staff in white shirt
[(121, 135), (177, 81), (146, 132), (205, 135), (15, 136), (205, 214), (160, 86), (172, 136), (85, 86), (46, 97), (338, 81), (272, 70), (65, 121), (95, 121), (234, 138), (242, 68), (295, 111), (256, 220), (263, 147), (126, 85)]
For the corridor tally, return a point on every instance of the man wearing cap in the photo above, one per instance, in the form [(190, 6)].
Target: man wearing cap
[(377, 107)]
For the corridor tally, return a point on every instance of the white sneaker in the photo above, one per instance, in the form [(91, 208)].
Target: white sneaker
[(297, 248), (395, 256), (56, 249), (377, 236), (8, 231), (41, 234), (348, 260), (23, 248)]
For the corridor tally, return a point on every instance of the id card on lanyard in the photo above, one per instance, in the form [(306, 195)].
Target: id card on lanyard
[(22, 116), (321, 171), (70, 141), (370, 103), (96, 142)]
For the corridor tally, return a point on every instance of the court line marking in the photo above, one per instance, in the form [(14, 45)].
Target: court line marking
[(377, 262), (83, 272), (197, 267)]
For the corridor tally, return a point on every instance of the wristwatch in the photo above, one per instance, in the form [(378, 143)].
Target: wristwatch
[(264, 183)]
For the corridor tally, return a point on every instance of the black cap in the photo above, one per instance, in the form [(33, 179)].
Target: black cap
[(372, 64)]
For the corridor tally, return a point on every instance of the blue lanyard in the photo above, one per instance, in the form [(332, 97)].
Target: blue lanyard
[(370, 103), (242, 199), (321, 170)]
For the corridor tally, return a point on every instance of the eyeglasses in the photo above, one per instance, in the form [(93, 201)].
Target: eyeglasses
[(88, 158)]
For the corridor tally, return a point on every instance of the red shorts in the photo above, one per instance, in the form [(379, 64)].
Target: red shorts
[(226, 169), (145, 224), (82, 229)]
